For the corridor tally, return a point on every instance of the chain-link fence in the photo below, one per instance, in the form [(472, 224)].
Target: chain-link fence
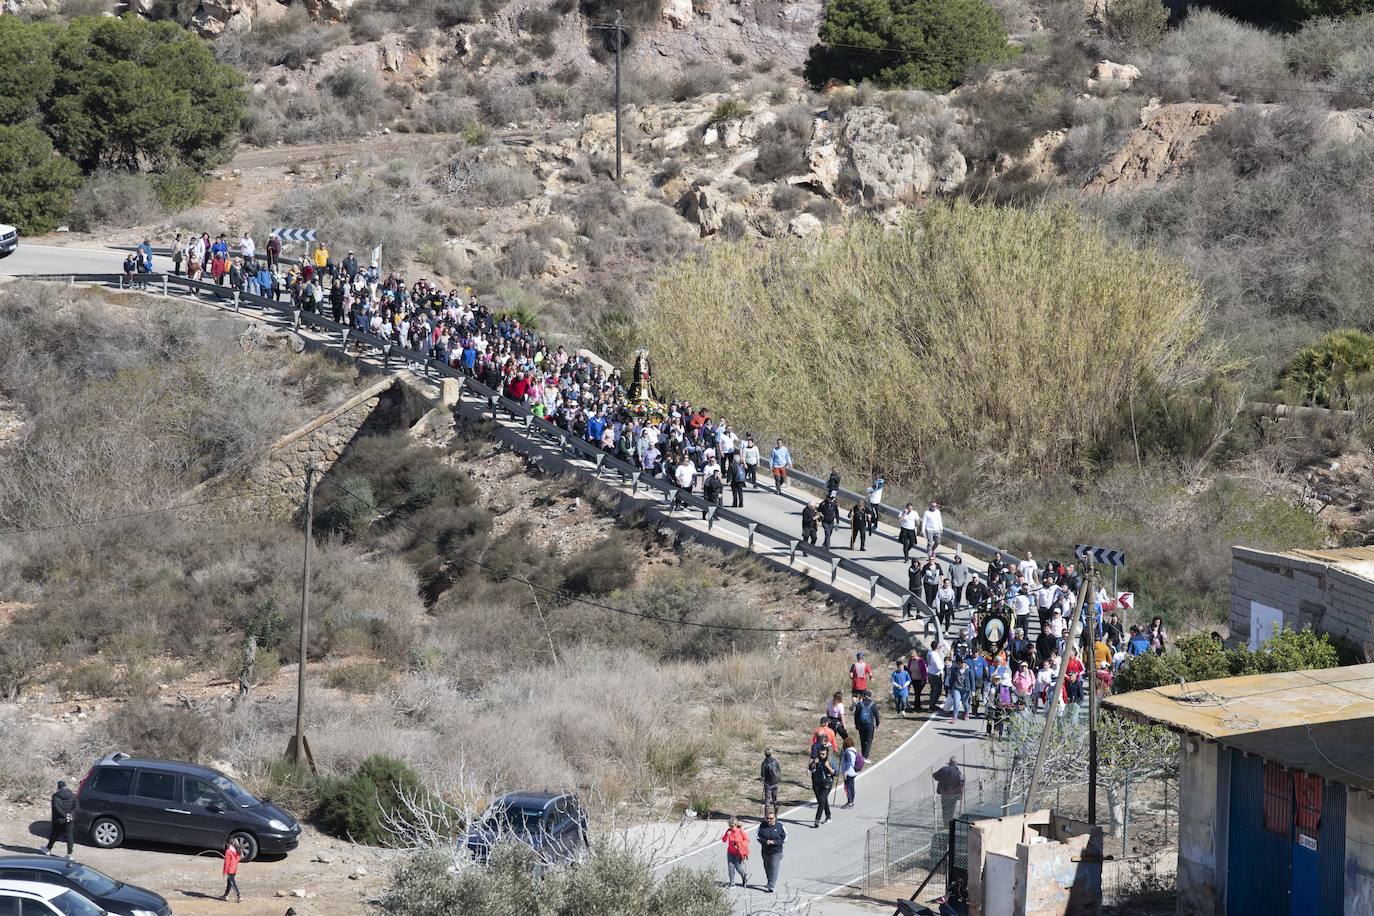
[(1138, 813)]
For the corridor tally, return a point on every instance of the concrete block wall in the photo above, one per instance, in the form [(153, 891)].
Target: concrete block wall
[(1359, 854), (1308, 592), (1201, 873)]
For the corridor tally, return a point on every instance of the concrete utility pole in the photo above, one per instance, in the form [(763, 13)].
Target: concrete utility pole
[(1051, 714), (299, 748), (619, 41)]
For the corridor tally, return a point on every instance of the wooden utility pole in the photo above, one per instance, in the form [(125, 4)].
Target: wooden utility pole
[(1091, 669), (299, 749), (619, 41), (1051, 714)]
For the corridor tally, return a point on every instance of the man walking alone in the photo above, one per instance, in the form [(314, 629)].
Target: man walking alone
[(63, 810), (770, 773), (866, 719), (781, 462)]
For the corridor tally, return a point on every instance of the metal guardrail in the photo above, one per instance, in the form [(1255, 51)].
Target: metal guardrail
[(520, 415)]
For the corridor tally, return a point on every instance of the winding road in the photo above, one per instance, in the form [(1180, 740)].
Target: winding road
[(818, 863)]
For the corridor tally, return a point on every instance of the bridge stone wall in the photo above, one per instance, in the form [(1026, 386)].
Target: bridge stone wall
[(276, 481)]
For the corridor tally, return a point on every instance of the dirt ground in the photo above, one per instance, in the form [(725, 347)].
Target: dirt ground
[(332, 877)]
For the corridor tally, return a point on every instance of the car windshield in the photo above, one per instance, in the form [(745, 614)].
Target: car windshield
[(237, 794), (91, 881), (73, 904), (519, 820)]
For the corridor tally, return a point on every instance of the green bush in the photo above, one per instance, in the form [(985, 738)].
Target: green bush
[(26, 69), (146, 728), (1322, 374), (266, 624), (36, 187), (366, 806), (871, 325), (130, 92), (729, 109), (1202, 658), (360, 677), (928, 44), (178, 188)]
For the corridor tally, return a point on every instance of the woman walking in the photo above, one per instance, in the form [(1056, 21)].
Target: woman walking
[(849, 759), (907, 520), (822, 781), (736, 853)]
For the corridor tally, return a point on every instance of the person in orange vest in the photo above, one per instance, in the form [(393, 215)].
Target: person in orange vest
[(231, 872), (859, 674), (736, 853)]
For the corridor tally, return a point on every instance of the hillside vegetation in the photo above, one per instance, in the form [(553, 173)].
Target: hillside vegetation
[(878, 345)]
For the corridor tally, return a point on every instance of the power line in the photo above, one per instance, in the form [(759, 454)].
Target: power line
[(101, 520), (568, 596)]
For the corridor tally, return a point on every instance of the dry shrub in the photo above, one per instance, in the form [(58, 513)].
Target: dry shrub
[(870, 330)]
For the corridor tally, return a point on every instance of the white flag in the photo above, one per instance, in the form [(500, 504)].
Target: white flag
[(376, 255)]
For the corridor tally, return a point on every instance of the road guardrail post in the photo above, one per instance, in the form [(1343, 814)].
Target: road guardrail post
[(793, 555), (753, 526), (236, 300), (164, 285), (634, 483), (872, 587), (834, 569), (600, 460), (710, 517)]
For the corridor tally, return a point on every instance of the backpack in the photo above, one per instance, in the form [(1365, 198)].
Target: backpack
[(859, 761), (863, 713)]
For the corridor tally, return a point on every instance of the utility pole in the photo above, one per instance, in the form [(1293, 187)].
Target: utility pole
[(1091, 669), (1052, 713), (299, 748), (619, 40)]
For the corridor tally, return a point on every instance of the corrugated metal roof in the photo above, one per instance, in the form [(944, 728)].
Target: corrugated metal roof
[(1320, 721)]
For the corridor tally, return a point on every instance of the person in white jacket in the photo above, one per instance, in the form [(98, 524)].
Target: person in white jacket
[(932, 527)]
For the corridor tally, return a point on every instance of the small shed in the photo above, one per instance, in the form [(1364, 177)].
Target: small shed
[(1276, 816)]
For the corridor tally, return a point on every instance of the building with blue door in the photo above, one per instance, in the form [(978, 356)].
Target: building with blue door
[(1276, 791)]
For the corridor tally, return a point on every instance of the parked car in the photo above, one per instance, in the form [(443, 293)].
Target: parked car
[(553, 824), (20, 898), (113, 896), (125, 797), (9, 240)]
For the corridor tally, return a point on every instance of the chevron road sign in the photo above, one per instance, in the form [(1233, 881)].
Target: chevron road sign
[(294, 235), (1106, 556)]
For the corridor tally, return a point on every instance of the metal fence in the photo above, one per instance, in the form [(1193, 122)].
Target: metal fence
[(908, 852)]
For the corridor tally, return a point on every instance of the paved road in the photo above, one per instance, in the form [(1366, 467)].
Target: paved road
[(48, 259), (817, 862)]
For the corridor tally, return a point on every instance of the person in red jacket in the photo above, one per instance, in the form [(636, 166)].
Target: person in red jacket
[(736, 853), (231, 871), (859, 675)]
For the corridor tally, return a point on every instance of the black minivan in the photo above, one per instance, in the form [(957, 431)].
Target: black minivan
[(125, 797)]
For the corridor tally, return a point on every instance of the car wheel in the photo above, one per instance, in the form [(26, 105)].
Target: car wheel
[(106, 832), (247, 846)]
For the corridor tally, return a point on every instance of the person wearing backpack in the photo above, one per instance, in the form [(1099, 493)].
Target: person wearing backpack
[(849, 766), (738, 475), (736, 853), (822, 780), (770, 773), (866, 719), (859, 674)]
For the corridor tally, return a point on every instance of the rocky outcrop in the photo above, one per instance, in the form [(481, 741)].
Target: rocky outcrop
[(212, 17), (1037, 162), (328, 10), (1159, 149), (704, 206), (866, 154), (677, 13), (1108, 75)]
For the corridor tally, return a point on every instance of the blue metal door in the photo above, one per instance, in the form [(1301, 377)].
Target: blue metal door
[(1259, 862), (1331, 851)]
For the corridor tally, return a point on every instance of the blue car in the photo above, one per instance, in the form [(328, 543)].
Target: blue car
[(553, 824)]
